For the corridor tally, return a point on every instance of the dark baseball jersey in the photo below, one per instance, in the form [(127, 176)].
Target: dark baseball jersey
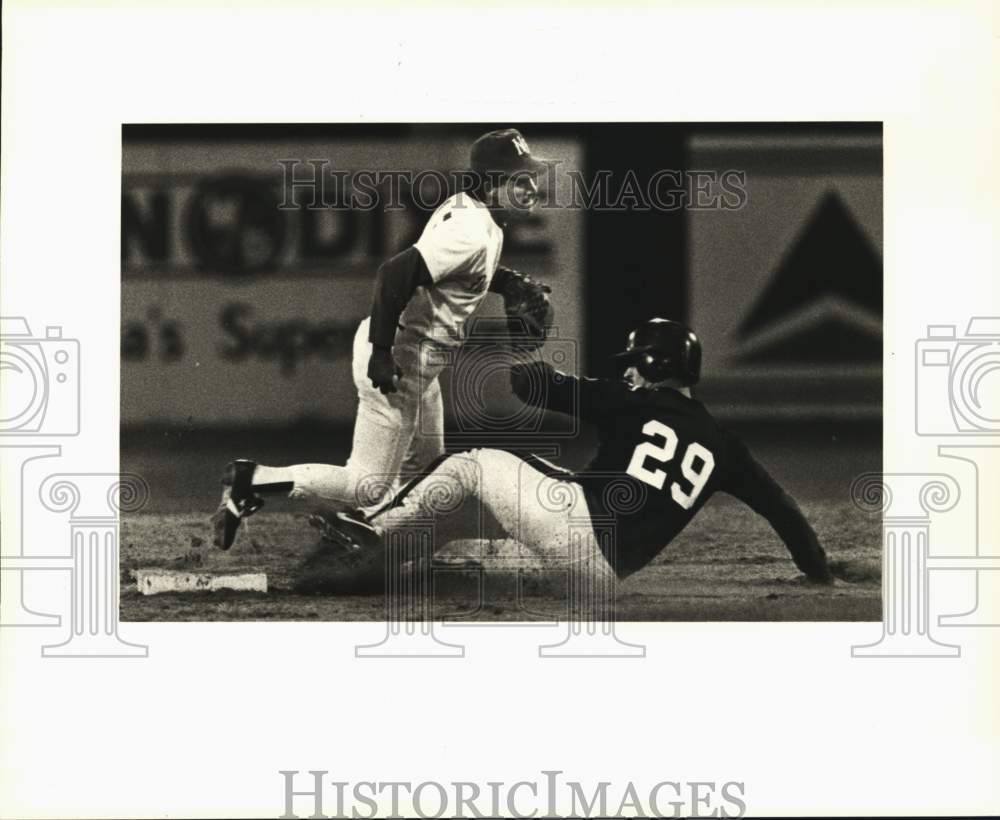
[(661, 455)]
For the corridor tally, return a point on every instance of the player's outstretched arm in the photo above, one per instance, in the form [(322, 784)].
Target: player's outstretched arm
[(395, 283), (541, 385), (538, 384), (755, 487)]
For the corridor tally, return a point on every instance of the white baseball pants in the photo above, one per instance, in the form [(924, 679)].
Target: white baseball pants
[(547, 515), (395, 435)]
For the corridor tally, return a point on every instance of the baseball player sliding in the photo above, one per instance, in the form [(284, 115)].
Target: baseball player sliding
[(422, 297), (661, 455)]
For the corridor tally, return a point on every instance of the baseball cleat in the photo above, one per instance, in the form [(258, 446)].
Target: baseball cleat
[(238, 501), (347, 530)]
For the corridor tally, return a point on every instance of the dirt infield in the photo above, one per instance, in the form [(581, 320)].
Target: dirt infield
[(727, 566)]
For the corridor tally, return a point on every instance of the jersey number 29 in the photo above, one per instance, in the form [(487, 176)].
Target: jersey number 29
[(662, 453)]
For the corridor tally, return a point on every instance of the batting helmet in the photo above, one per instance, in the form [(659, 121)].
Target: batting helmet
[(663, 349)]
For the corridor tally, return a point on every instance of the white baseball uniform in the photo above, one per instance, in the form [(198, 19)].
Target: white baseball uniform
[(400, 433)]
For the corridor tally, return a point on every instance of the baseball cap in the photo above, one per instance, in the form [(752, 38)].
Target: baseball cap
[(504, 151)]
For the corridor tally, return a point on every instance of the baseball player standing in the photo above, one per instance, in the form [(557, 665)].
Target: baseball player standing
[(422, 298)]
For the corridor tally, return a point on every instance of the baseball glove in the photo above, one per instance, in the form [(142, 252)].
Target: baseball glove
[(529, 312)]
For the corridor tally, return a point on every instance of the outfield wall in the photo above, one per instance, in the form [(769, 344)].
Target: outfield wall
[(238, 311), (786, 291)]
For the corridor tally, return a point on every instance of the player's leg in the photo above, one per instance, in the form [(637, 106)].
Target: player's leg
[(449, 486), (546, 514), (454, 482), (401, 432), (382, 431), (377, 447), (427, 442), (553, 522), (494, 478), (417, 428)]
